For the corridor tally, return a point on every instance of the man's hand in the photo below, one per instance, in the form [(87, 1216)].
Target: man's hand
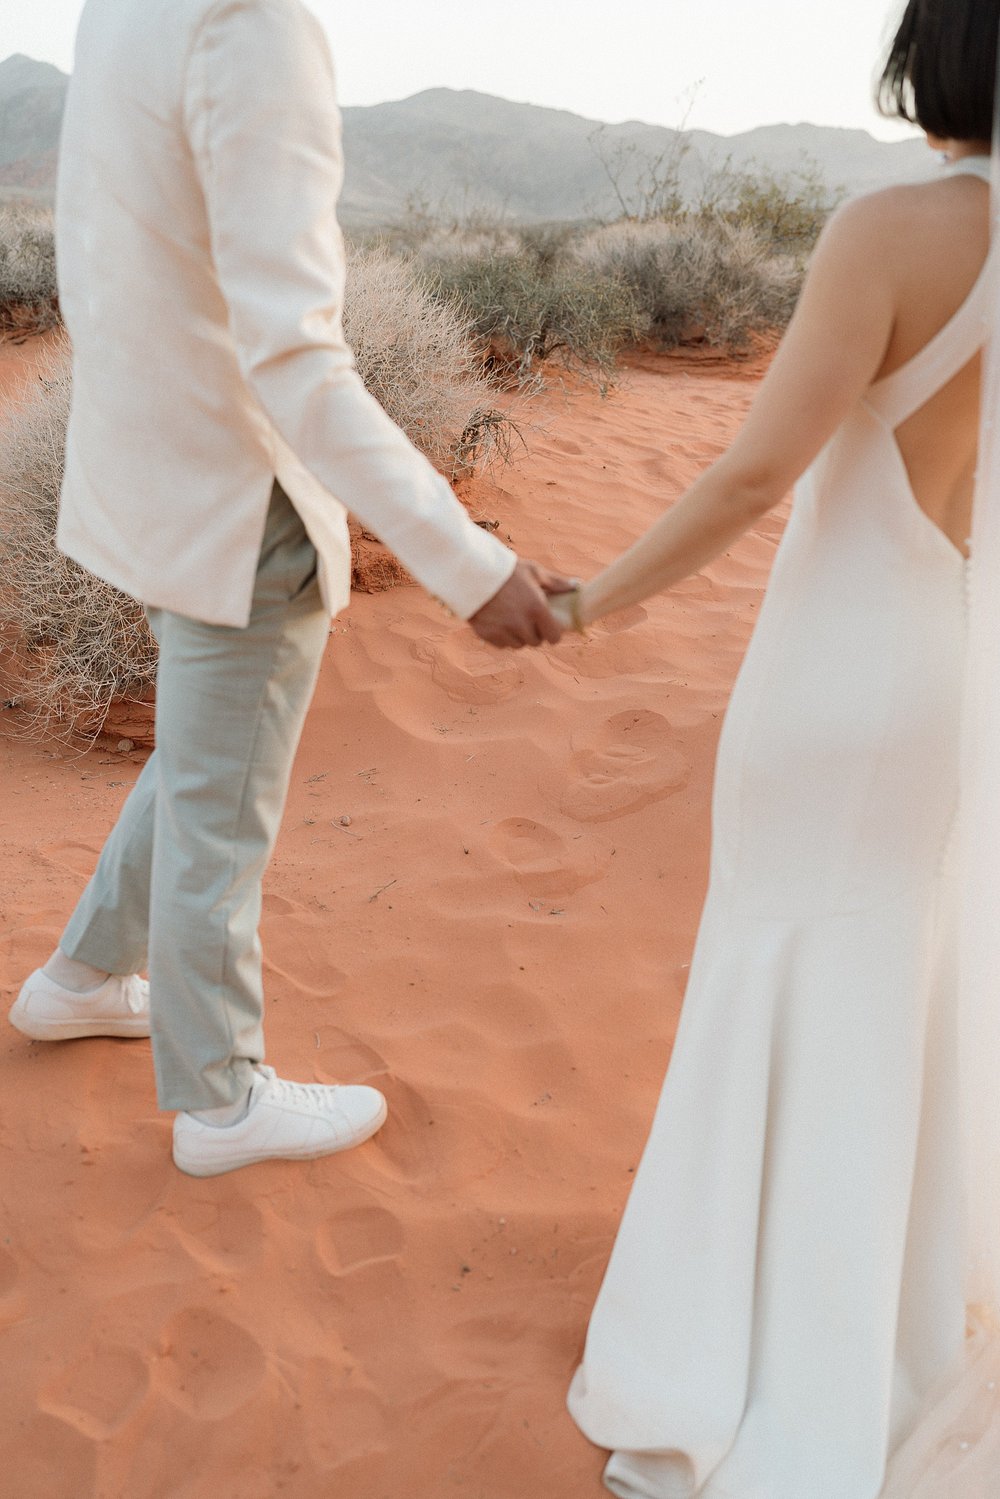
[(518, 615)]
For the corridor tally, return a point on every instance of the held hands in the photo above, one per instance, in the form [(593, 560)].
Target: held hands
[(520, 613), (568, 609)]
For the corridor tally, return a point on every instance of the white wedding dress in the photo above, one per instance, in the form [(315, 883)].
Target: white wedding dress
[(786, 1288)]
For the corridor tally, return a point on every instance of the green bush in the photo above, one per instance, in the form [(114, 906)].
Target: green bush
[(529, 308), (696, 278), (720, 271), (417, 356), (788, 212)]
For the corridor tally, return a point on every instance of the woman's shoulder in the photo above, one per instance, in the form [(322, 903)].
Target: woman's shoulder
[(889, 210), (926, 226)]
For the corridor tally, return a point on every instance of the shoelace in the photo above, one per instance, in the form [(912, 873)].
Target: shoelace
[(134, 996), (312, 1095)]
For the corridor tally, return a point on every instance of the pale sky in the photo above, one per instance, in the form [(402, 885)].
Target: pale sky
[(742, 62)]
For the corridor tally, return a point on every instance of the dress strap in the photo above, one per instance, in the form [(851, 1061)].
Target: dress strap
[(971, 166), (898, 396)]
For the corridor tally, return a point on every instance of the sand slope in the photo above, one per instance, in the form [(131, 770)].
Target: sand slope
[(499, 938)]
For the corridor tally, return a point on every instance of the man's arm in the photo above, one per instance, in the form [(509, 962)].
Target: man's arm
[(263, 124)]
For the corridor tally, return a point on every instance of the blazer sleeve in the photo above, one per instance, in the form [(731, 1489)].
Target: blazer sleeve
[(262, 121)]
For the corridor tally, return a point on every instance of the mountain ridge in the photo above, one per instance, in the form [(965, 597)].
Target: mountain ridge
[(457, 152)]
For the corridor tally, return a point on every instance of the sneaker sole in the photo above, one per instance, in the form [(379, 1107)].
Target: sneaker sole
[(75, 1030), (193, 1167)]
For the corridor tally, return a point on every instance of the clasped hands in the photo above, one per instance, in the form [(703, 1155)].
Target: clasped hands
[(532, 608)]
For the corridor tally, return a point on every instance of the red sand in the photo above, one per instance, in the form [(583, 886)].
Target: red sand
[(499, 938)]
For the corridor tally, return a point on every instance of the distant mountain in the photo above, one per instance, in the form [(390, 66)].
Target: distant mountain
[(456, 152), (31, 105)]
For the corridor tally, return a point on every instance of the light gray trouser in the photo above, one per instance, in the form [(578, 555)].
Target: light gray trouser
[(178, 884)]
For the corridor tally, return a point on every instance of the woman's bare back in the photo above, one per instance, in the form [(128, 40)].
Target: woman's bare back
[(891, 270), (944, 232)]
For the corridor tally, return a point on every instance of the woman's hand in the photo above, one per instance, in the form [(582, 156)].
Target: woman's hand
[(566, 606)]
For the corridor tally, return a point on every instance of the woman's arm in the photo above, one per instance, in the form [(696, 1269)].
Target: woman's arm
[(833, 350)]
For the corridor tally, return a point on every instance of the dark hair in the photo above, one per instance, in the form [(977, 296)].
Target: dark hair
[(941, 71)]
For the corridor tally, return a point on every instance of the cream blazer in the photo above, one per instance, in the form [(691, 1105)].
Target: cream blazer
[(201, 276)]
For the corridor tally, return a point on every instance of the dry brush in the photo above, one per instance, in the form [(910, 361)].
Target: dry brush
[(72, 644)]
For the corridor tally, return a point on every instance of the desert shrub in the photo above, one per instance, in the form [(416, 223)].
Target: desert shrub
[(28, 298), (71, 642), (416, 355), (548, 244), (436, 230), (787, 211), (447, 239), (696, 278), (531, 307), (719, 271), (520, 290)]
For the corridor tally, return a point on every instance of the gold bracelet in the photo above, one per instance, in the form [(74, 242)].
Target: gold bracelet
[(575, 600)]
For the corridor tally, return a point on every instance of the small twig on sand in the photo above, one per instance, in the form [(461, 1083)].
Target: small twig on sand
[(380, 889)]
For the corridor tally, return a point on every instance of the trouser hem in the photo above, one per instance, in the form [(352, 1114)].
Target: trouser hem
[(227, 1089)]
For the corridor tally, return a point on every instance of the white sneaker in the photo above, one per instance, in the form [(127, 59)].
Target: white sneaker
[(45, 1011), (285, 1121)]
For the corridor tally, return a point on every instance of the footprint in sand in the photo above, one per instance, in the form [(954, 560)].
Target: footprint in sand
[(223, 1232), (208, 1366), (626, 764), (468, 673), (625, 619), (543, 861), (99, 1393), (343, 1058), (300, 949), (614, 648), (405, 1144), (352, 1240), (354, 1419), (110, 1206)]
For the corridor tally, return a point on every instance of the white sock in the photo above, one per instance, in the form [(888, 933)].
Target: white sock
[(226, 1114), (78, 978)]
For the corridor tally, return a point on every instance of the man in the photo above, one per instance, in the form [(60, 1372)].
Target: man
[(219, 433)]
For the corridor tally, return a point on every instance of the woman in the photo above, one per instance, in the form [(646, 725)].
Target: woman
[(788, 1285)]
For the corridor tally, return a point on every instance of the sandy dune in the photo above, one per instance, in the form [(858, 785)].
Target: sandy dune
[(498, 937)]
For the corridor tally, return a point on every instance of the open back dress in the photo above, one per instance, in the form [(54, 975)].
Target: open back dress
[(787, 1283)]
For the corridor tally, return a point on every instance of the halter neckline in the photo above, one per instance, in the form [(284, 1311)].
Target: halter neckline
[(971, 166)]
